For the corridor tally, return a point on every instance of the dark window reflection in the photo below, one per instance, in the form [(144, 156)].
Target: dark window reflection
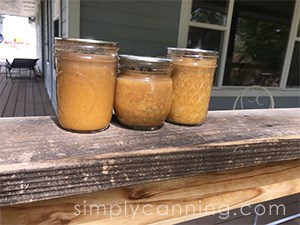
[(294, 73), (258, 42), (209, 11), (205, 39)]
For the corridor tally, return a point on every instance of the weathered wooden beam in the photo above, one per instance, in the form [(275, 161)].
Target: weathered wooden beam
[(39, 160), (165, 202)]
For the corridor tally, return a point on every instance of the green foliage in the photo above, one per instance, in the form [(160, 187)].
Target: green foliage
[(261, 42), (208, 16)]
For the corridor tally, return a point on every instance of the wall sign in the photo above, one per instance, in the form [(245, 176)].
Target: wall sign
[(27, 8)]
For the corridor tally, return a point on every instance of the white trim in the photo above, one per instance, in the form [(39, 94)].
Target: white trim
[(183, 30), (184, 23), (222, 60), (73, 18), (60, 18), (207, 26), (290, 47)]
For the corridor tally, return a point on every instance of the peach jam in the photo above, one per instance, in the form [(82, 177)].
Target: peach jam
[(85, 84), (193, 72), (143, 92)]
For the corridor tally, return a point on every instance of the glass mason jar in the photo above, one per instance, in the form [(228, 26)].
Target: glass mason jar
[(143, 92), (85, 84), (193, 72)]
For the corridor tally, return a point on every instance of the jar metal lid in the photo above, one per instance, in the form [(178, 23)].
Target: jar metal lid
[(145, 64), (85, 46), (192, 52)]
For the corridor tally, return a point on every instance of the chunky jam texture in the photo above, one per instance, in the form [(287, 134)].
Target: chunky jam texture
[(85, 92), (143, 101), (192, 83)]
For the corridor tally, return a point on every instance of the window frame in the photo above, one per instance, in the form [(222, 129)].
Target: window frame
[(185, 23), (291, 45)]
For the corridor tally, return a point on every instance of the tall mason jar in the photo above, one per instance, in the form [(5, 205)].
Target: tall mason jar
[(143, 92), (85, 84), (193, 73)]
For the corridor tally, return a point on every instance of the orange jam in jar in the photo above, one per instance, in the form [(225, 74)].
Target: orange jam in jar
[(193, 72), (85, 84), (143, 92)]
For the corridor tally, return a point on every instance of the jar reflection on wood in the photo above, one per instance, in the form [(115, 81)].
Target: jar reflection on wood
[(86, 74), (143, 92), (193, 72)]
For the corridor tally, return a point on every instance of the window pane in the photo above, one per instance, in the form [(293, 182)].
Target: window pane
[(208, 11), (294, 74), (258, 42), (205, 39)]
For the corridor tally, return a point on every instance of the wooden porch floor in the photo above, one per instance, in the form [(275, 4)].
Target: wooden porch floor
[(24, 97)]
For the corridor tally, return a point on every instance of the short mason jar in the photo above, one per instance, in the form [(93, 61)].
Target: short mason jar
[(143, 92), (85, 83), (193, 73)]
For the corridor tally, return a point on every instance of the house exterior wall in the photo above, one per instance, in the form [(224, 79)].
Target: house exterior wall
[(141, 27), (145, 28)]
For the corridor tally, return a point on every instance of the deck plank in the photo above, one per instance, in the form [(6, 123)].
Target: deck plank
[(12, 100), (49, 111), (3, 83), (5, 96), (29, 105), (165, 202), (2, 77), (38, 102), (20, 105), (24, 97)]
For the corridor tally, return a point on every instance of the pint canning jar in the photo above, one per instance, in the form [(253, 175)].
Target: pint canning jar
[(193, 72), (85, 85), (143, 92)]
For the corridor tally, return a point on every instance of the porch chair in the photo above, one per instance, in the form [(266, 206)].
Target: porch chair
[(20, 64)]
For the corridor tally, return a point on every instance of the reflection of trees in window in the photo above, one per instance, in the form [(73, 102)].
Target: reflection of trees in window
[(261, 42), (258, 42), (208, 16), (208, 11)]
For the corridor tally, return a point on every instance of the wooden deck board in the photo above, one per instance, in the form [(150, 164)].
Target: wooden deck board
[(61, 163), (24, 97), (5, 96), (287, 206), (38, 102), (12, 99), (47, 107), (29, 105), (153, 203), (20, 104)]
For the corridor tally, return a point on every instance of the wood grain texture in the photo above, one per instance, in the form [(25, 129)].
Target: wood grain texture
[(39, 160), (164, 202)]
